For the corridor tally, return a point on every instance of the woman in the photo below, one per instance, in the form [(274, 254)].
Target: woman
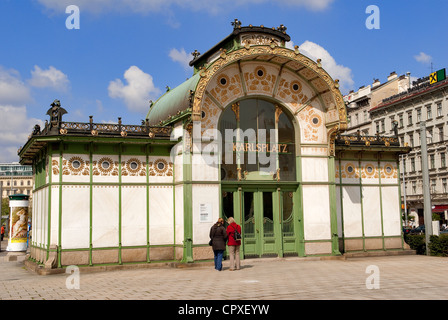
[(218, 236), (234, 245)]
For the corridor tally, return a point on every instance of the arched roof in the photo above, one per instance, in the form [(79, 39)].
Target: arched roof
[(250, 44)]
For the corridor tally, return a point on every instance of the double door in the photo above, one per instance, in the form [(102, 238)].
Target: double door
[(267, 218)]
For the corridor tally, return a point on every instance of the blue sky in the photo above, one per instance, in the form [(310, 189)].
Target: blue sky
[(127, 51)]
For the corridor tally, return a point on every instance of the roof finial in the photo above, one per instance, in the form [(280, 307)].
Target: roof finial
[(236, 24), (195, 54)]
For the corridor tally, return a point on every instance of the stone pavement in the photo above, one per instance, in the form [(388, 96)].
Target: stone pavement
[(399, 277)]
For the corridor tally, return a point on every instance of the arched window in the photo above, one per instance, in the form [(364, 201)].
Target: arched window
[(258, 142)]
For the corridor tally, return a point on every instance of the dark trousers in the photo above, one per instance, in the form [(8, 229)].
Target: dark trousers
[(218, 259)]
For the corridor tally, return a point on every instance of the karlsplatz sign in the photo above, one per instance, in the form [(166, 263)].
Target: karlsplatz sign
[(260, 147)]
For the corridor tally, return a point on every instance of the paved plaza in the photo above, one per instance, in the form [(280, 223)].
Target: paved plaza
[(400, 277)]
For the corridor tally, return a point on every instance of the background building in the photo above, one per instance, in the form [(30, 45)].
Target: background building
[(360, 102), (15, 178), (427, 101)]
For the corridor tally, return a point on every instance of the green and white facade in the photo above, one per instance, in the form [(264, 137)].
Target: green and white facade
[(117, 194)]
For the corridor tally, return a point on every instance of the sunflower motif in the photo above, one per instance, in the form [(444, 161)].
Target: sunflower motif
[(105, 165), (133, 165), (76, 164), (161, 166)]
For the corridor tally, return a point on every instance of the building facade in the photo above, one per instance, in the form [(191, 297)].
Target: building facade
[(426, 101), (15, 178), (255, 133), (360, 102)]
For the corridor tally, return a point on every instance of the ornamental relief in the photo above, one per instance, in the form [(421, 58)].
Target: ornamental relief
[(105, 167), (73, 166), (349, 170), (259, 78), (389, 171), (210, 115), (311, 70), (226, 87), (310, 123), (133, 167), (160, 168)]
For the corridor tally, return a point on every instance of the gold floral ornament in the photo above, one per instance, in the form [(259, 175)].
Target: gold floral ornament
[(76, 164), (133, 165), (105, 165)]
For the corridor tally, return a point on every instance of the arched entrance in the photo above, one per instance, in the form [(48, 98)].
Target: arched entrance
[(259, 179)]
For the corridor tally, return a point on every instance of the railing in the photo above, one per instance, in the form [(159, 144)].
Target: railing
[(103, 129), (360, 140)]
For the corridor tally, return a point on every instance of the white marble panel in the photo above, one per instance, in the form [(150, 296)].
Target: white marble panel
[(160, 169), (105, 168), (371, 211), (349, 171), (134, 217), (210, 196), (179, 197), (75, 168), (391, 211), (369, 172), (105, 216), (161, 215), (351, 209), (75, 217), (133, 169), (54, 231), (316, 212), (314, 169)]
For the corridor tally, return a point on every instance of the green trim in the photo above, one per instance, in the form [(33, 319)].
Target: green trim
[(148, 258), (333, 209), (362, 209), (90, 203), (120, 149), (61, 147), (50, 174), (381, 202)]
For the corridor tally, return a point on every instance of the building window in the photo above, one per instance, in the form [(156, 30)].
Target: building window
[(444, 185), (411, 140), (377, 127), (400, 120), (412, 164), (414, 187), (442, 160), (441, 138), (433, 185), (428, 112), (419, 115), (432, 161), (439, 109), (383, 126)]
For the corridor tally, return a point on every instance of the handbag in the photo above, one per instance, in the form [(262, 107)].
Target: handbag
[(236, 235), (210, 243)]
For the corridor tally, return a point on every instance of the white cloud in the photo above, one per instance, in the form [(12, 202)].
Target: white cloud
[(49, 78), (335, 70), (138, 90), (181, 57), (146, 6), (423, 57), (12, 89), (15, 127)]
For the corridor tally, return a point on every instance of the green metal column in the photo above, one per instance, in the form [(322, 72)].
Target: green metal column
[(188, 198), (333, 209)]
